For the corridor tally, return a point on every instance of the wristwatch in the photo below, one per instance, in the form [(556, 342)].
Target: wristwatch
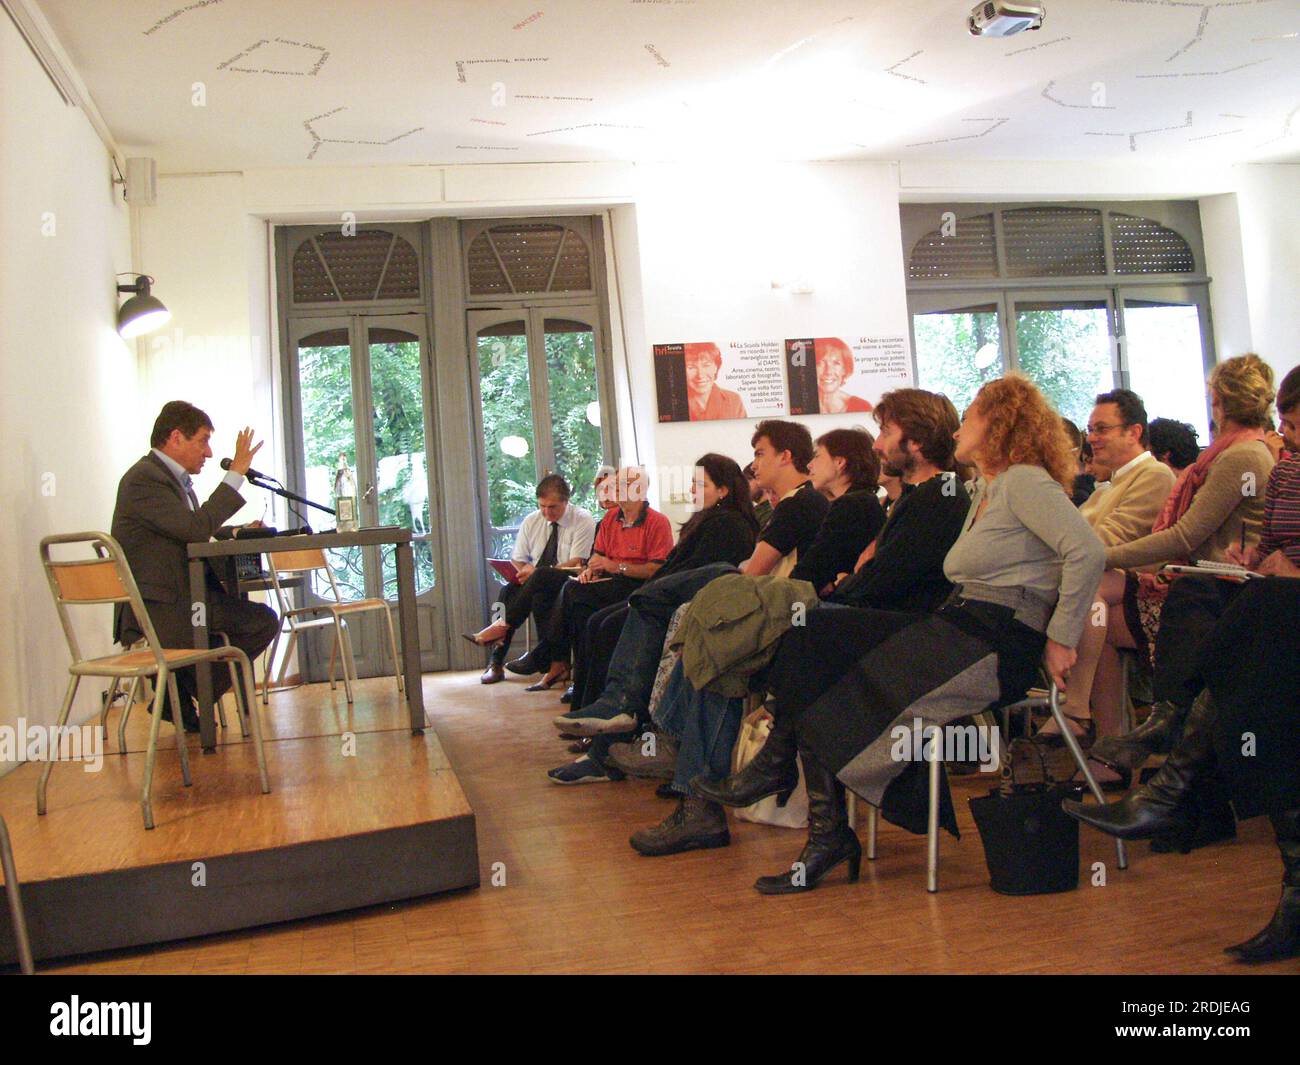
[(622, 567)]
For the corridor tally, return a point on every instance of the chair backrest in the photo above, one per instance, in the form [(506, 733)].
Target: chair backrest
[(303, 560), (104, 578)]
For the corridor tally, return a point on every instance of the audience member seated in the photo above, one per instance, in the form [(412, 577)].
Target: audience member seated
[(556, 534), (632, 542), (722, 529), (1122, 510), (758, 495), (1174, 443), (1214, 504), (782, 451), (1026, 564), (1249, 672), (1084, 483), (846, 470), (902, 569)]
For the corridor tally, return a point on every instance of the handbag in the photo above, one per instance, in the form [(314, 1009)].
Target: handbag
[(754, 730), (1031, 846)]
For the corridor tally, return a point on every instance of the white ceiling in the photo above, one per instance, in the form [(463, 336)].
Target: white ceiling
[(311, 82)]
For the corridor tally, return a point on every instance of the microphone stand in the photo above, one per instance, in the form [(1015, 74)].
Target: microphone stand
[(280, 490)]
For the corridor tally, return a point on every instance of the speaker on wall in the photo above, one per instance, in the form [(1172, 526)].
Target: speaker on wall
[(141, 181)]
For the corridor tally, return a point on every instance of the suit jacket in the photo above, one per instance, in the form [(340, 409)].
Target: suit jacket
[(153, 522)]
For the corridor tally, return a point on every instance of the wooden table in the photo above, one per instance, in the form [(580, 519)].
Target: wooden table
[(256, 545)]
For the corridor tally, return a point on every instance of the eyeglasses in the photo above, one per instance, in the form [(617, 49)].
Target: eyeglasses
[(1101, 428)]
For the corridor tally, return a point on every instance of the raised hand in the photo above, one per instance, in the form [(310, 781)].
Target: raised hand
[(245, 449)]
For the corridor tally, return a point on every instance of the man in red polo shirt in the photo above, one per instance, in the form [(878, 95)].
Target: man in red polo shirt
[(631, 543)]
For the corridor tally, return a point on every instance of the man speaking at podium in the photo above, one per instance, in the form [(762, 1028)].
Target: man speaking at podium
[(157, 514)]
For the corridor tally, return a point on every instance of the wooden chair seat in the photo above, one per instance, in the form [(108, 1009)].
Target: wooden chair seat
[(132, 662), (358, 605)]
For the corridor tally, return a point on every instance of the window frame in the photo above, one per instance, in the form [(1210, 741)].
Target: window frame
[(938, 297)]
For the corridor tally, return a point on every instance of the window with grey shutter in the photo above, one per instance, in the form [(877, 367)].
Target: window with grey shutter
[(1142, 246), (967, 253), (1053, 242), (518, 258), (371, 264)]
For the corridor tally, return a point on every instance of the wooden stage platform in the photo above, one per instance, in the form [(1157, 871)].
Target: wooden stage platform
[(360, 812)]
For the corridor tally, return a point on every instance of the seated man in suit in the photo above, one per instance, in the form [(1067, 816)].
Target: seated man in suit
[(157, 514)]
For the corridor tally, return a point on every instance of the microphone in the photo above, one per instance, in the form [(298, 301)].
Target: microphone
[(252, 475)]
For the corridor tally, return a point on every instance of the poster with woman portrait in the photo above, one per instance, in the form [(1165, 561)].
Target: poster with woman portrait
[(833, 375), (697, 382)]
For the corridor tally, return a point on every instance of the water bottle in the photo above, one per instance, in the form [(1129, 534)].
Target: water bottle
[(345, 497)]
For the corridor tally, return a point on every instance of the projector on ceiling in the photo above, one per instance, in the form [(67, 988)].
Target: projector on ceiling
[(995, 18)]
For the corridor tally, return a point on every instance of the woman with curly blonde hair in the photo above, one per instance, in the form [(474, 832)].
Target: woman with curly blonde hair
[(1024, 570)]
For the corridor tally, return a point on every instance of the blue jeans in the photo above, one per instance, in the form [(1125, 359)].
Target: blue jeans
[(635, 660), (705, 725)]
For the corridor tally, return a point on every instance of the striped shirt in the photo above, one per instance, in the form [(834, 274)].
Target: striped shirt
[(1282, 511)]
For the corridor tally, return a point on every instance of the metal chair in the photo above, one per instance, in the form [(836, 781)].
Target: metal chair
[(141, 686), (14, 893), (1035, 700), (283, 563), (106, 578)]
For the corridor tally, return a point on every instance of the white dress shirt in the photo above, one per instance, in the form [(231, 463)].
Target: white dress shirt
[(577, 531)]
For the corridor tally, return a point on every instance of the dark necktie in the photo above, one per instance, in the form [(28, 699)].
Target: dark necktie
[(189, 491), (551, 551)]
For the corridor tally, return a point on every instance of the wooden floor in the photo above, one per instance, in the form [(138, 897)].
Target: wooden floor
[(576, 898)]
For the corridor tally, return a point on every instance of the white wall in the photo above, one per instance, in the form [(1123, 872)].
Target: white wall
[(1267, 197), (210, 258), (69, 423), (713, 242)]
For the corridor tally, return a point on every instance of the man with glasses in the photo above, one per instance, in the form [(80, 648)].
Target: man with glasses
[(1119, 511), (1139, 485)]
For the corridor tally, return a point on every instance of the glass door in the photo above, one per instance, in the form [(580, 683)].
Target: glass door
[(1065, 345), (958, 344), (361, 389), (538, 402), (1167, 354)]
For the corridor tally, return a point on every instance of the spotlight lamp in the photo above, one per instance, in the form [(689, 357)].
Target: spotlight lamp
[(143, 312)]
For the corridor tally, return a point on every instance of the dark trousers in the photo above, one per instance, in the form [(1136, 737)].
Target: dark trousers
[(250, 626), (575, 606), (593, 652), (536, 596), (1191, 611)]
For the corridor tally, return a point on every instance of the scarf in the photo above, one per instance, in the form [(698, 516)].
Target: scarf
[(1156, 586)]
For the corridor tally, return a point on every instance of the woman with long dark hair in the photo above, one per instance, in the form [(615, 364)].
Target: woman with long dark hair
[(722, 529)]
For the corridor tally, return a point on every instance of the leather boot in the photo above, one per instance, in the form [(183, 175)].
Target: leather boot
[(1211, 819), (495, 672), (830, 840), (1156, 735), (773, 771), (694, 825), (1159, 804), (1280, 938)]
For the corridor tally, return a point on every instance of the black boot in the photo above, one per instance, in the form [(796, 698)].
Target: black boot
[(1159, 804), (773, 771), (830, 840), (1211, 819), (1281, 936), (538, 660), (1156, 735)]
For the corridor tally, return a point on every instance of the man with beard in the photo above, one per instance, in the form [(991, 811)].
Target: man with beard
[(901, 570)]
